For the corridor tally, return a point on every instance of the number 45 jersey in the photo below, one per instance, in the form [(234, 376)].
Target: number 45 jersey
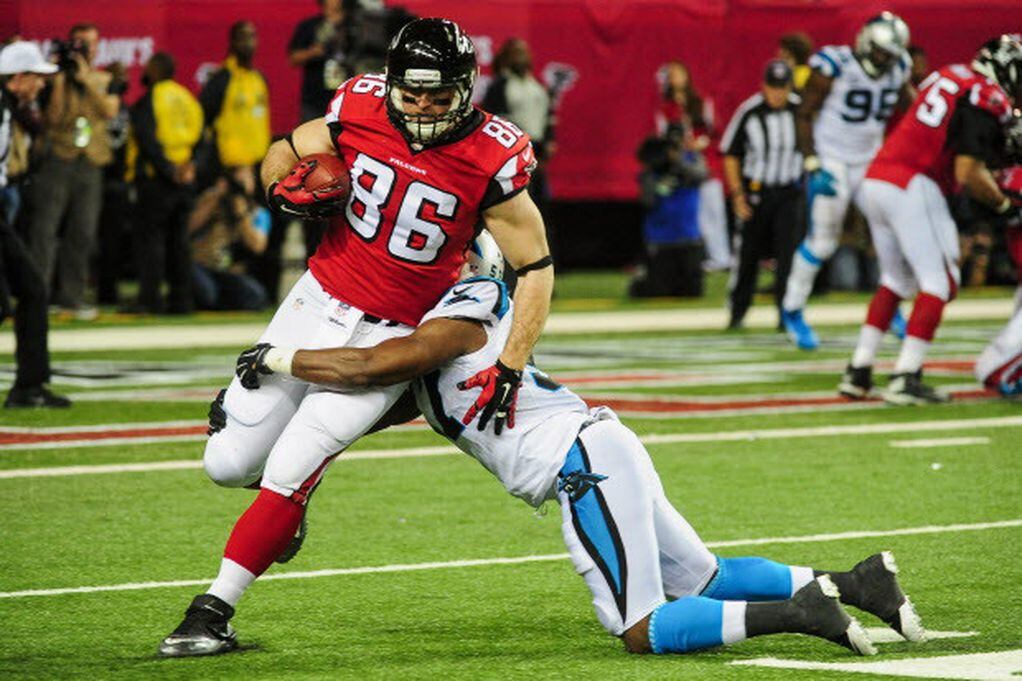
[(412, 212), (924, 140), (850, 125)]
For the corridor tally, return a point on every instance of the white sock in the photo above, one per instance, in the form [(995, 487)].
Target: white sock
[(913, 353), (231, 582), (732, 628), (800, 283), (800, 576), (866, 349)]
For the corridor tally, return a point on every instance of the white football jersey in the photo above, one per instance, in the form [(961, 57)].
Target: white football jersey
[(850, 126), (526, 458)]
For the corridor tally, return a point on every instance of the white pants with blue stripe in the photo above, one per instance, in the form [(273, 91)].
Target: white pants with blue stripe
[(628, 542)]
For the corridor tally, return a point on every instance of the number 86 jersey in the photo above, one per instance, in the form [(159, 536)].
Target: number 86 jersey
[(925, 139), (401, 240)]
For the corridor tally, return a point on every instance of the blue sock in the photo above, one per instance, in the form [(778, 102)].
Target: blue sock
[(689, 623), (749, 579)]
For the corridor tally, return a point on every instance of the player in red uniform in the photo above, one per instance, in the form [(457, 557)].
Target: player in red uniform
[(427, 170), (947, 139), (999, 366)]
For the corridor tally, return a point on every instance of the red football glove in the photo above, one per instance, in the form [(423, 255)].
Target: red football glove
[(498, 398), (290, 197)]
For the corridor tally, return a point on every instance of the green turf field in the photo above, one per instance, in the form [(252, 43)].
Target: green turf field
[(785, 472)]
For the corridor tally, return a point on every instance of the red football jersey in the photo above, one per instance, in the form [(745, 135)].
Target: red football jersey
[(402, 238), (919, 144)]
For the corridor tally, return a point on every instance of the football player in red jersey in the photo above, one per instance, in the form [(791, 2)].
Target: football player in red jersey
[(948, 138), (427, 171)]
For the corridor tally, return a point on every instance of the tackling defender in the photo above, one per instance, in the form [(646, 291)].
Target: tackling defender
[(632, 547), (426, 168), (949, 138), (840, 124)]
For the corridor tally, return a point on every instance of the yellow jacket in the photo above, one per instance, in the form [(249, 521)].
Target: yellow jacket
[(236, 103)]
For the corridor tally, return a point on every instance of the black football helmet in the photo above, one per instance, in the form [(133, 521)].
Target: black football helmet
[(430, 54), (1000, 60)]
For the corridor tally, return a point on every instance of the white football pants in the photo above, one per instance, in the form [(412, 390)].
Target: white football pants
[(1005, 351)]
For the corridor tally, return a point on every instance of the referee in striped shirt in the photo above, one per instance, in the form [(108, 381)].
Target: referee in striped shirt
[(763, 171)]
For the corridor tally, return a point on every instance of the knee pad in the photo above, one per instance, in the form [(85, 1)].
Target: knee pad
[(224, 466)]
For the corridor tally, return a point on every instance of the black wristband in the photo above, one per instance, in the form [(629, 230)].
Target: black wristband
[(541, 264), (291, 143), (506, 370)]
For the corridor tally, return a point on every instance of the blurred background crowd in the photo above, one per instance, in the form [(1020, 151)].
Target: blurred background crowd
[(144, 197)]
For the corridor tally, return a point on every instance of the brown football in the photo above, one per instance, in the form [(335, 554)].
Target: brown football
[(329, 172)]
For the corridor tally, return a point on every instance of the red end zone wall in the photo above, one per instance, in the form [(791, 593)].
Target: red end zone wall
[(606, 51)]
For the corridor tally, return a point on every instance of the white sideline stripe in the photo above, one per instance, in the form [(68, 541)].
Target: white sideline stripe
[(939, 442), (666, 438), (240, 334), (412, 567)]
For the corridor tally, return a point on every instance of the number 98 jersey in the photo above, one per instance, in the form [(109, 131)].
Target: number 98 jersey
[(411, 214), (850, 126), (920, 142)]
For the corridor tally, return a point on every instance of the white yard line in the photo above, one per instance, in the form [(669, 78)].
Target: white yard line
[(410, 567), (656, 439), (238, 335), (939, 442)]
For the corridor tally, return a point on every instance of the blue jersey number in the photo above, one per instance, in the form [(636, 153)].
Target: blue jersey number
[(860, 105)]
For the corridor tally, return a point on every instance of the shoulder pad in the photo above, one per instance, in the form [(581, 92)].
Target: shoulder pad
[(827, 61), (481, 299), (991, 98)]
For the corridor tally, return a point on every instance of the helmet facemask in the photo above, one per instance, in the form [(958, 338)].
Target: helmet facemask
[(426, 129)]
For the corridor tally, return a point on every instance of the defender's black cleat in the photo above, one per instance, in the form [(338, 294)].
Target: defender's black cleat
[(909, 389), (874, 588), (823, 616), (204, 631), (857, 382)]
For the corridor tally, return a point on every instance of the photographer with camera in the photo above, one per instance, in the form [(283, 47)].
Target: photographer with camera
[(228, 229), (673, 169), (68, 187), (22, 69)]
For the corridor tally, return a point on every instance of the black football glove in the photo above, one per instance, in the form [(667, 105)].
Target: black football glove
[(498, 398), (252, 363), (217, 415), (290, 197)]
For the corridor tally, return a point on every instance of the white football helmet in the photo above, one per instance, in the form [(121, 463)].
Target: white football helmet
[(881, 42), (483, 258)]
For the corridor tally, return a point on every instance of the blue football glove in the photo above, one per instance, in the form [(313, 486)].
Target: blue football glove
[(821, 183)]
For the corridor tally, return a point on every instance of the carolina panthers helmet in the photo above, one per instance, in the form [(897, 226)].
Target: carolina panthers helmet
[(483, 258), (1000, 60), (430, 54), (881, 42)]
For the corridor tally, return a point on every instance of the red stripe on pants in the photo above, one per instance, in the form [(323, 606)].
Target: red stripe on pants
[(263, 531), (882, 308), (925, 319)]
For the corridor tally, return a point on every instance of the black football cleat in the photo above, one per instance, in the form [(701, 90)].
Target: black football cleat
[(823, 616), (857, 383), (32, 398), (877, 591), (206, 630), (908, 389)]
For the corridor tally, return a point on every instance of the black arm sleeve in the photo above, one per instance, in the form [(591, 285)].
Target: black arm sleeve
[(143, 125), (212, 96), (975, 132)]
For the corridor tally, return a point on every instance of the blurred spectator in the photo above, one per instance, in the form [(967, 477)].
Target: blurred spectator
[(166, 125), (235, 103), (68, 187), (920, 65), (113, 242), (518, 96), (227, 228), (673, 169), (796, 48), (763, 169), (682, 105), (22, 67), (320, 45)]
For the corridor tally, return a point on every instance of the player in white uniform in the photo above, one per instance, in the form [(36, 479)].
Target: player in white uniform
[(840, 126), (654, 582)]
